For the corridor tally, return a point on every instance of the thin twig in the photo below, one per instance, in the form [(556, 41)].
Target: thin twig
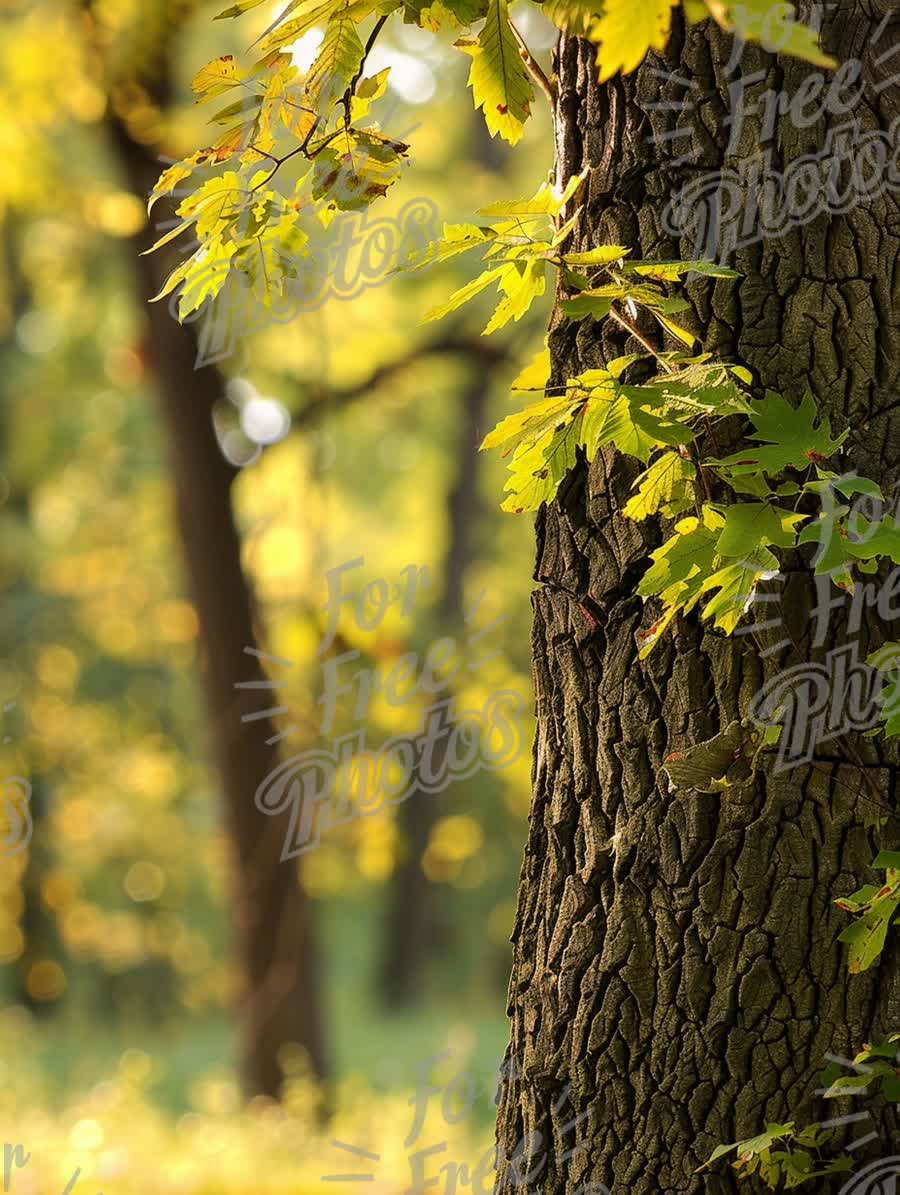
[(453, 342), (536, 71), (629, 327), (348, 94), (279, 162)]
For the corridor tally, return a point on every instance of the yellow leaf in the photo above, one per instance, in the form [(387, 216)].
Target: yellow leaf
[(676, 330), (627, 30), (209, 270), (536, 374), (500, 83), (170, 178), (216, 77), (463, 295), (174, 278), (664, 486), (236, 9), (521, 286)]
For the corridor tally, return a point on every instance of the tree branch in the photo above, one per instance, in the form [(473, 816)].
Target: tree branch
[(452, 342), (536, 71)]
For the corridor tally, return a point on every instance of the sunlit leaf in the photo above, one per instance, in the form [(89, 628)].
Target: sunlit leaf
[(501, 85)]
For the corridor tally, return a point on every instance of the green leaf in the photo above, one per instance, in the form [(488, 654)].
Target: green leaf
[(340, 57), (726, 759), (688, 566), (673, 271), (677, 572), (886, 658), (766, 1139), (698, 390), (737, 583), (795, 439), (537, 471), (752, 525), (688, 553), (852, 484), (866, 937), (753, 484), (597, 300), (627, 416), (878, 539), (586, 305), (501, 85), (593, 412)]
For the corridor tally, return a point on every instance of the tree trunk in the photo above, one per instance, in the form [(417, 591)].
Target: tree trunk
[(38, 927), (686, 979), (411, 935), (271, 915)]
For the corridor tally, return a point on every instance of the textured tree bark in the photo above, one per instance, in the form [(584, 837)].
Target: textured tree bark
[(280, 1001), (685, 978)]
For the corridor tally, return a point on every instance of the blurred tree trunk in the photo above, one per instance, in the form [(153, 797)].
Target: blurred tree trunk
[(38, 927), (411, 932), (685, 979), (410, 927), (37, 924), (281, 1000)]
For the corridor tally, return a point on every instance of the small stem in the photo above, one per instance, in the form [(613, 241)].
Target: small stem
[(710, 431), (348, 94), (629, 327), (301, 149), (702, 479), (536, 71), (271, 157)]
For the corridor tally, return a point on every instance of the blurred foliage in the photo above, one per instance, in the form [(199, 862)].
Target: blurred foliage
[(122, 1142), (115, 962)]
